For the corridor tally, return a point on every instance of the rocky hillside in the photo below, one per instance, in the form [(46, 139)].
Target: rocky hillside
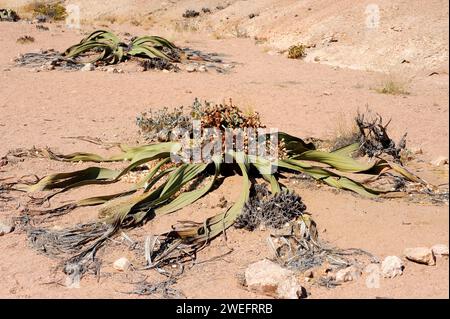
[(392, 36)]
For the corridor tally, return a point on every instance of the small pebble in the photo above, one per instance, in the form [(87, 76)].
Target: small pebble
[(440, 250), (421, 255), (88, 67), (392, 266), (348, 274), (191, 68), (440, 161), (122, 264), (5, 229)]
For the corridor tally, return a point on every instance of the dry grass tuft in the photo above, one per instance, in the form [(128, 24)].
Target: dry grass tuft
[(54, 10), (25, 39), (345, 132), (393, 87)]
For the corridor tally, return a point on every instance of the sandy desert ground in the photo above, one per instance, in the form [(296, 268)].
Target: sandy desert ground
[(308, 98)]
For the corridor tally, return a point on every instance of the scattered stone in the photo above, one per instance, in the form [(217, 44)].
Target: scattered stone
[(440, 250), (327, 93), (392, 266), (3, 161), (227, 66), (88, 67), (6, 228), (206, 10), (122, 264), (316, 59), (348, 274), (290, 289), (271, 279), (252, 15), (416, 150), (191, 68), (308, 275), (202, 68), (397, 28), (440, 161), (112, 70), (421, 255)]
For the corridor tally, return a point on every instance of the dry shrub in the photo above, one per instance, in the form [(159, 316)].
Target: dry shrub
[(25, 39), (345, 132), (53, 10), (393, 87), (297, 51)]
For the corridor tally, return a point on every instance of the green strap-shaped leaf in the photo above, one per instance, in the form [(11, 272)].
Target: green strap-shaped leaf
[(153, 40), (143, 204), (347, 150), (215, 225), (333, 179), (148, 52), (187, 198), (335, 160), (86, 176), (294, 145), (266, 169)]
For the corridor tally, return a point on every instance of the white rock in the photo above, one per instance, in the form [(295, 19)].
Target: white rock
[(440, 250), (416, 150), (271, 279), (112, 70), (421, 255), (5, 228), (47, 67), (88, 67), (440, 161), (191, 68), (202, 68), (392, 266), (122, 264), (290, 289), (348, 274)]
